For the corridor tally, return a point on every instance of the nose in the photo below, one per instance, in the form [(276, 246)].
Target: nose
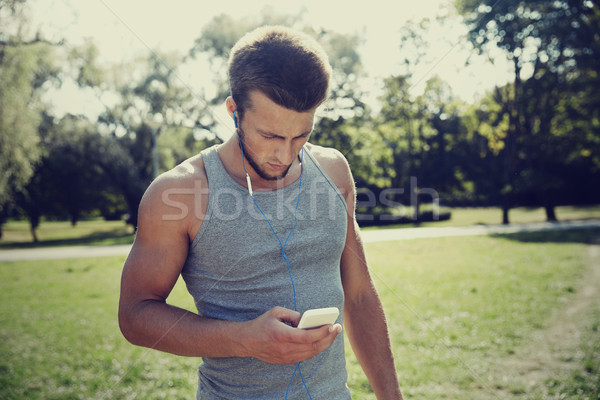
[(285, 152)]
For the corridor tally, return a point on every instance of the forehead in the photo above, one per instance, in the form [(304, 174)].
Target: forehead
[(267, 116)]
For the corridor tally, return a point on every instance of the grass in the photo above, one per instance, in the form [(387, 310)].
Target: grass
[(457, 306), (16, 234), (457, 309), (583, 382), (60, 337)]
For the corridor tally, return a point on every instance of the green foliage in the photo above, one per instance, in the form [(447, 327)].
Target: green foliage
[(219, 36), (345, 100), (74, 185), (69, 181), (534, 141), (425, 139), (221, 33), (137, 134), (559, 34), (84, 59), (23, 70), (553, 46), (26, 68)]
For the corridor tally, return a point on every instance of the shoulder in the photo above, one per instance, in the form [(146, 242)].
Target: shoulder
[(178, 196), (335, 165), (326, 155), (188, 175)]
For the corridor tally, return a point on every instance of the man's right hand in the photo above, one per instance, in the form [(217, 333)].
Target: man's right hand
[(270, 338)]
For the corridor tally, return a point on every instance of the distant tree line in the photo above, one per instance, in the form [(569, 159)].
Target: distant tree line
[(532, 142)]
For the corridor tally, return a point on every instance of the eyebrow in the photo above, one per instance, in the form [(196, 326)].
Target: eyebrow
[(304, 134)]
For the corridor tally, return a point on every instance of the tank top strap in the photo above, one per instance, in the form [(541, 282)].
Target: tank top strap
[(216, 173)]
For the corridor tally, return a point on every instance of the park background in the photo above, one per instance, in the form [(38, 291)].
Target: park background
[(468, 112)]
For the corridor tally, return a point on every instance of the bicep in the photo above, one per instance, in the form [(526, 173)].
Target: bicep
[(355, 275), (356, 278), (354, 270), (157, 255)]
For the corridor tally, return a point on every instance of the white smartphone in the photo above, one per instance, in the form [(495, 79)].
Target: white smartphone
[(318, 317)]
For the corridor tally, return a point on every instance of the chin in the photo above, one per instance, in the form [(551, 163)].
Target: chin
[(273, 177)]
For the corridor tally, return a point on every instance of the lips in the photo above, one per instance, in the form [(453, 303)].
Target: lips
[(278, 167)]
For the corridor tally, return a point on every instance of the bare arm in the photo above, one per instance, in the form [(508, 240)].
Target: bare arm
[(151, 271), (365, 321), (364, 318)]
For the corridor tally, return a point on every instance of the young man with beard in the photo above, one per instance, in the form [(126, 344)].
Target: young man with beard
[(261, 228)]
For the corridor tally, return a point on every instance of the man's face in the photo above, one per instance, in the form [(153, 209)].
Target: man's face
[(272, 136)]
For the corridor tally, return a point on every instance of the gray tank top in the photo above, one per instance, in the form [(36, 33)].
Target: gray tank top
[(235, 271)]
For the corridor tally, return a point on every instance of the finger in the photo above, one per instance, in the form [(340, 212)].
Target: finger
[(337, 328), (286, 315), (309, 350), (310, 336), (332, 332)]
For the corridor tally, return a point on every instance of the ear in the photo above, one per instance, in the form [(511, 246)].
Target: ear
[(231, 106)]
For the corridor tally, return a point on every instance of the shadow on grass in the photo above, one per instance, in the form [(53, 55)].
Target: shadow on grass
[(582, 235), (103, 237)]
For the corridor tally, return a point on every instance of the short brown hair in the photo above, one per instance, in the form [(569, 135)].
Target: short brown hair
[(287, 66)]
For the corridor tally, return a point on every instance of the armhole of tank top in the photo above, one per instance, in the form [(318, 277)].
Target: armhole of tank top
[(327, 178), (209, 208)]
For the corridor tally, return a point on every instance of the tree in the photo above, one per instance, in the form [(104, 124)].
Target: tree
[(65, 183), (153, 104), (221, 33), (74, 185), (344, 122), (444, 156), (486, 127), (401, 124), (26, 65), (218, 37), (346, 93), (553, 43), (398, 129)]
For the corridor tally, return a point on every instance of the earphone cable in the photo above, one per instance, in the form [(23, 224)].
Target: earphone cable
[(282, 246)]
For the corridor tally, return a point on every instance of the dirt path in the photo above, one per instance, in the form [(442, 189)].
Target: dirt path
[(555, 351)]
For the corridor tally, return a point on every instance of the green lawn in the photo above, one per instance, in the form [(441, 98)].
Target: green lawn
[(16, 234), (460, 311)]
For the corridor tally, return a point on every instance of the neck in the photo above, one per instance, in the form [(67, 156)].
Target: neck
[(234, 162)]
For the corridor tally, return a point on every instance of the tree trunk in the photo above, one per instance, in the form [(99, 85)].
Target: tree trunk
[(3, 219), (505, 210), (550, 213), (33, 231), (414, 199), (133, 199), (34, 222)]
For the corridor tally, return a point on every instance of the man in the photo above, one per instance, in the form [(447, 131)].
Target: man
[(261, 228)]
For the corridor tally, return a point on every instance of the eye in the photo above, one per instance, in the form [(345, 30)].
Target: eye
[(303, 137)]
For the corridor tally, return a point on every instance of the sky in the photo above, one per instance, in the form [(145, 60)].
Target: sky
[(124, 29)]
